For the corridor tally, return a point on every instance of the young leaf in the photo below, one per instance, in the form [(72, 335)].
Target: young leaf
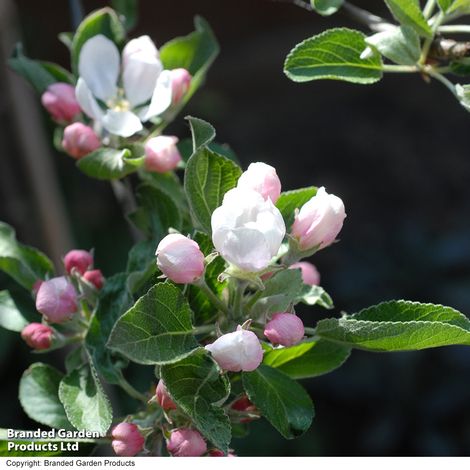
[(408, 13), (38, 396), (398, 326), (86, 405), (197, 386), (281, 291), (128, 10), (281, 400), (141, 267), (290, 200), (315, 295), (459, 7), (445, 4), (113, 301), (23, 263), (401, 45), (157, 329), (13, 317), (31, 70), (194, 52), (202, 132), (104, 21), (333, 54), (207, 178), (109, 164), (59, 73), (326, 7), (308, 359), (156, 213)]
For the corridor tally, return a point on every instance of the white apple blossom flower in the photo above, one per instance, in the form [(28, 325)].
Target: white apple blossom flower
[(120, 95)]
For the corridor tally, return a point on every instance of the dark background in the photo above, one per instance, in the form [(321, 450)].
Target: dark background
[(397, 154)]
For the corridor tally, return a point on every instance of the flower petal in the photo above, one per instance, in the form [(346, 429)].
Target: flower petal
[(98, 64), (122, 123), (162, 96), (142, 44), (140, 76), (87, 101)]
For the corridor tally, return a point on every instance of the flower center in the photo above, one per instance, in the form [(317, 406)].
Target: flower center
[(119, 102)]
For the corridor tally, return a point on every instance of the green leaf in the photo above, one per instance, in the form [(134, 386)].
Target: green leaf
[(463, 95), (33, 71), (194, 52), (207, 178), (11, 317), (108, 164), (290, 200), (156, 213), (281, 400), (23, 263), (408, 13), (461, 67), (315, 295), (307, 359), (38, 396), (333, 54), (128, 10), (202, 132), (326, 7), (400, 45), (281, 291), (157, 329), (105, 22), (84, 400), (398, 325), (445, 4), (141, 267), (198, 387), (460, 7), (113, 301), (202, 307), (59, 73)]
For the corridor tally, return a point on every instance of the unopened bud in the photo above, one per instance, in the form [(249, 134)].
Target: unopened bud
[(310, 274), (81, 260), (59, 100), (127, 440), (37, 336), (180, 83), (163, 398), (80, 140), (57, 300), (95, 277), (286, 329), (162, 154), (185, 442), (263, 179)]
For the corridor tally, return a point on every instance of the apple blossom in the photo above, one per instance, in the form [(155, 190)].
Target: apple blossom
[(163, 398), (180, 83), (57, 300), (95, 277), (59, 100), (79, 140), (162, 154), (247, 230), (286, 329), (37, 336), (185, 442), (127, 440), (146, 88), (236, 351), (319, 221), (180, 259), (81, 260), (263, 179), (219, 453), (310, 274)]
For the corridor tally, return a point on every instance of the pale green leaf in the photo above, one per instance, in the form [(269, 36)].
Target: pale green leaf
[(289, 201), (326, 7), (408, 13)]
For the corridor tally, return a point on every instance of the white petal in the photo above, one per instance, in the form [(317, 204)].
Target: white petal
[(98, 64), (122, 123), (162, 96), (87, 101), (140, 77), (142, 44)]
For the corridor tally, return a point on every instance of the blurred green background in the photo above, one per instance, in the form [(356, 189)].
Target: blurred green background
[(396, 152)]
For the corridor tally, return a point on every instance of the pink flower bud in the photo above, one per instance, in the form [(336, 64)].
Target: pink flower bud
[(263, 179), (163, 398), (57, 300), (219, 453), (127, 440), (286, 329), (319, 221), (36, 287), (95, 277), (60, 102), (37, 336), (81, 260), (80, 140), (162, 154), (236, 351), (180, 83), (185, 442), (180, 259), (243, 404), (310, 274)]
